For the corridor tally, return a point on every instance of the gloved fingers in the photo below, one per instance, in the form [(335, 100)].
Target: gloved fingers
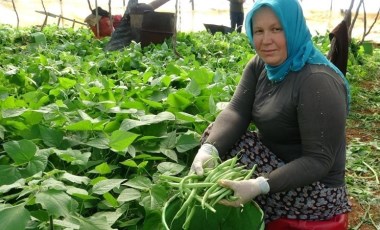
[(228, 184), (202, 160), (197, 168), (240, 191), (234, 203)]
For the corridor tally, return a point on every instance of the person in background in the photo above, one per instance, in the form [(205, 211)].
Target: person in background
[(102, 17), (237, 14), (298, 102)]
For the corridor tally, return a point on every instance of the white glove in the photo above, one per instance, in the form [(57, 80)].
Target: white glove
[(203, 159), (244, 190)]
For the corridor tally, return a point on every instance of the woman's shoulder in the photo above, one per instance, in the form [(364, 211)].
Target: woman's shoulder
[(314, 76), (319, 69)]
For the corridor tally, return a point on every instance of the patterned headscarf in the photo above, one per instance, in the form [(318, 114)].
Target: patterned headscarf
[(300, 46)]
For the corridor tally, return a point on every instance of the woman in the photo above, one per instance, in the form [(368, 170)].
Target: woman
[(298, 101)]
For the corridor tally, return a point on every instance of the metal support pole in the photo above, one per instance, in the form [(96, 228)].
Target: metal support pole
[(96, 14)]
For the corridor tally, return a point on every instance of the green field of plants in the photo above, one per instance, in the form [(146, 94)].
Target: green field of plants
[(86, 133)]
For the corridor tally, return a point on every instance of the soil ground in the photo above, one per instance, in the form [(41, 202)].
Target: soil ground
[(356, 131)]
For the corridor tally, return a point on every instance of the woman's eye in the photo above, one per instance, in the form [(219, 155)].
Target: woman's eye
[(257, 31), (277, 29)]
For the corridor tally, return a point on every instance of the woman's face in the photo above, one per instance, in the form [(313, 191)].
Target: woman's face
[(269, 37)]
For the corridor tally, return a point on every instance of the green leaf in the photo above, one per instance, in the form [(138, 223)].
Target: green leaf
[(153, 104), (128, 124), (75, 179), (18, 184), (132, 222), (52, 183), (16, 125), (139, 182), (20, 151), (2, 131), (71, 190), (75, 157), (106, 185), (173, 69), (169, 141), (80, 126), (8, 113), (8, 174), (179, 101), (41, 215), (66, 224), (193, 88), (152, 220), (147, 75), (85, 116), (92, 223), (142, 164), (97, 179), (51, 137), (83, 196), (145, 156), (133, 105), (170, 153), (111, 126), (129, 194), (159, 196), (32, 117), (112, 216), (103, 168), (110, 199), (100, 143), (170, 168), (129, 163), (202, 76), (120, 140), (85, 125), (187, 141), (37, 164), (57, 203), (158, 130), (154, 137), (66, 82), (15, 217), (166, 80)]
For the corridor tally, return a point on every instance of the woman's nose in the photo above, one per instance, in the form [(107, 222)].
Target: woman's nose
[(267, 38)]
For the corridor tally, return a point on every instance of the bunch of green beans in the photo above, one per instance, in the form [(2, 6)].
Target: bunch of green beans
[(203, 190)]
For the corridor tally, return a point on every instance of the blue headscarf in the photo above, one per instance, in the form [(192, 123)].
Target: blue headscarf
[(300, 46)]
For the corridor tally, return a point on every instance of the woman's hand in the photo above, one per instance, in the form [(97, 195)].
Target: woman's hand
[(204, 159), (244, 190)]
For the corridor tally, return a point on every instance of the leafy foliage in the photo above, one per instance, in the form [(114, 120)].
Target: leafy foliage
[(86, 132)]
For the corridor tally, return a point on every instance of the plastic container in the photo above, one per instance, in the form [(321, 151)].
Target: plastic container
[(251, 217), (339, 222), (368, 47)]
